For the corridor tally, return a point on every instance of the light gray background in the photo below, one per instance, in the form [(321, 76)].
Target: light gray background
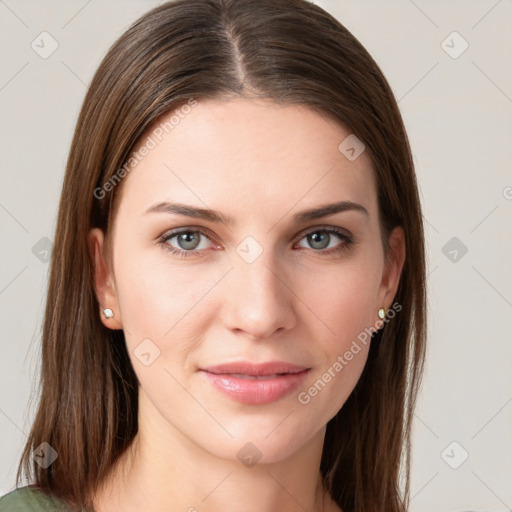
[(458, 113)]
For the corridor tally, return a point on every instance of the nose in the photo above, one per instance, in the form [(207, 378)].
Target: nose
[(258, 298)]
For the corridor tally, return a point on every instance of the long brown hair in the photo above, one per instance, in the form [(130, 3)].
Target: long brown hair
[(290, 51)]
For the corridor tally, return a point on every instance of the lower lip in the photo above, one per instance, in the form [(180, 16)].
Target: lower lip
[(253, 391)]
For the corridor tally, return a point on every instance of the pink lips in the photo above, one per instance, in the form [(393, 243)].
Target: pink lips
[(256, 384)]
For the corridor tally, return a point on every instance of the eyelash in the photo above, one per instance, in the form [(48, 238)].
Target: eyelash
[(348, 241)]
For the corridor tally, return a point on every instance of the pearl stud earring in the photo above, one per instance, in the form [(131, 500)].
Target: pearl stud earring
[(108, 313), (382, 313)]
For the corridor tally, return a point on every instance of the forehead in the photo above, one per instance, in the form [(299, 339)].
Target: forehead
[(247, 153)]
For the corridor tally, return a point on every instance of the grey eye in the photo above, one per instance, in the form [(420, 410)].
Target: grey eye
[(186, 240), (319, 239)]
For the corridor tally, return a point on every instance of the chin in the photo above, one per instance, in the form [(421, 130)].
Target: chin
[(268, 443)]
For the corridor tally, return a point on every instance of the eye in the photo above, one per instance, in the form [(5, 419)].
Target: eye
[(322, 238), (188, 242)]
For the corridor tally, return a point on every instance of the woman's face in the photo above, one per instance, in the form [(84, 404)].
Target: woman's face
[(267, 283)]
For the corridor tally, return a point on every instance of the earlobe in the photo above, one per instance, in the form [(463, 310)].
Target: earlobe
[(102, 280)]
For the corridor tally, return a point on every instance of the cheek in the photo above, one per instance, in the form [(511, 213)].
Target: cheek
[(143, 299), (343, 301), (342, 298), (161, 301)]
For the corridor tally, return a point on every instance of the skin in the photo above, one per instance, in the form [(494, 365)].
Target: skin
[(260, 163)]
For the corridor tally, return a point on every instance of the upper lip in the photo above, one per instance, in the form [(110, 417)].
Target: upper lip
[(261, 369)]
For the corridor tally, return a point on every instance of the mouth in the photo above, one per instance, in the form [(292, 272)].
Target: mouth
[(255, 384), (253, 377), (246, 368)]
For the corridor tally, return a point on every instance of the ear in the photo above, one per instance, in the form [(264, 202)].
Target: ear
[(104, 287), (393, 269)]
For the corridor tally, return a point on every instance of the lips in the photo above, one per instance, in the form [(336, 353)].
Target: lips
[(255, 384)]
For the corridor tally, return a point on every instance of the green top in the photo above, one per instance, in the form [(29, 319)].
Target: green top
[(31, 499)]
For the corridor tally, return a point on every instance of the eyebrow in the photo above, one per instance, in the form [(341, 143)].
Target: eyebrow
[(218, 217)]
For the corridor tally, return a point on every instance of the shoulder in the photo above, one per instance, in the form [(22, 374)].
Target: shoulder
[(30, 499)]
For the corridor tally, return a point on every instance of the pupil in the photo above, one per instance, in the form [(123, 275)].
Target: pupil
[(185, 240), (315, 237)]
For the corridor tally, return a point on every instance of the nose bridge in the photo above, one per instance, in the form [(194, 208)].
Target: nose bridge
[(258, 299), (260, 278)]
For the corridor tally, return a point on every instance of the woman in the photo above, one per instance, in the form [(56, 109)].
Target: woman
[(236, 307)]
